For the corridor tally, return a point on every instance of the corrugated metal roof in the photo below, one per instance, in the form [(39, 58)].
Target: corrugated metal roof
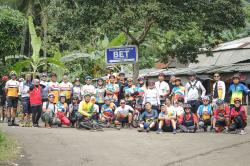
[(241, 67), (240, 43)]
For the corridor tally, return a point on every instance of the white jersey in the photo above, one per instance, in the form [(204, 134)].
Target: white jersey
[(125, 110), (192, 90), (66, 88), (88, 89), (162, 87), (24, 89), (152, 96)]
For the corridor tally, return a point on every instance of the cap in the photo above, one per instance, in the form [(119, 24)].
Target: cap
[(219, 102)]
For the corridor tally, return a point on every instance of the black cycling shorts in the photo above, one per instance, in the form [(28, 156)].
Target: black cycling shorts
[(12, 101)]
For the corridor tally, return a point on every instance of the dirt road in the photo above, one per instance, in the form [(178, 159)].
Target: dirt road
[(66, 146)]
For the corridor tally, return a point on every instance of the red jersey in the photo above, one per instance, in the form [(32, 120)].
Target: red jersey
[(222, 113), (241, 112)]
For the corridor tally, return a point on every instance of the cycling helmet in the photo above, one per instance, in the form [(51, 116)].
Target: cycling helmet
[(206, 98), (53, 74), (62, 95), (106, 98), (130, 79), (77, 79), (186, 105), (219, 102), (88, 78), (98, 79), (87, 94), (5, 78), (44, 74), (237, 99), (140, 79), (12, 73), (51, 95), (75, 97)]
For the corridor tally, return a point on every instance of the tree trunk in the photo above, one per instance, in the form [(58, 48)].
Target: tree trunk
[(136, 67)]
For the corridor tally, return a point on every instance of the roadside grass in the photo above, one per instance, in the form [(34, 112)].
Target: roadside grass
[(8, 148)]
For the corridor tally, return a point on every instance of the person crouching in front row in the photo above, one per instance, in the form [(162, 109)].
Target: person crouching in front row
[(188, 121)]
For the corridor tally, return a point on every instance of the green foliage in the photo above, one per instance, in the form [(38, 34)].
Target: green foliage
[(35, 61), (12, 23)]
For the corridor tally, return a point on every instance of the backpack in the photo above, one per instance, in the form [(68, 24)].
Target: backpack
[(189, 122), (47, 106), (194, 86)]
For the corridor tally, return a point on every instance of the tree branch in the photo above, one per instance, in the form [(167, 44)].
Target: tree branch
[(149, 22), (134, 40)]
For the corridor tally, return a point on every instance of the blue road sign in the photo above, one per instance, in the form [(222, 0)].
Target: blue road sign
[(123, 54)]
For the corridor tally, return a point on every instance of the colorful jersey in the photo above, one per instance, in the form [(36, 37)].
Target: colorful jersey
[(66, 88), (12, 87), (205, 111), (129, 91), (54, 88), (239, 112), (141, 90), (108, 110), (188, 119), (149, 115), (222, 113), (178, 92), (86, 109), (237, 91), (170, 111), (113, 88), (100, 94), (62, 107)]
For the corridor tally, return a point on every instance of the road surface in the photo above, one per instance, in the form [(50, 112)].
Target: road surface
[(127, 147)]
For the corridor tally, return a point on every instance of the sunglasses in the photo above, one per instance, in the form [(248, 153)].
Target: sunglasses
[(51, 97), (123, 103), (216, 76)]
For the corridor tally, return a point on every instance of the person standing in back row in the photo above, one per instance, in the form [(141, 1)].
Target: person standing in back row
[(219, 89), (162, 87), (194, 92)]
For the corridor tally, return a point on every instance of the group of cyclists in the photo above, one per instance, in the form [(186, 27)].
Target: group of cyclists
[(118, 102)]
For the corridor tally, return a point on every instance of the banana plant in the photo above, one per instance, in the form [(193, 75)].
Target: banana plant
[(35, 61)]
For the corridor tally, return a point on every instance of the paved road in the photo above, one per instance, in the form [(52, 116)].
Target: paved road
[(66, 146)]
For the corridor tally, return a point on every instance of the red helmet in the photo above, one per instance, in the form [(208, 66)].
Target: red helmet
[(5, 78)]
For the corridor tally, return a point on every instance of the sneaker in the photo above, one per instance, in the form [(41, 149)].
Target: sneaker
[(148, 130), (213, 130), (14, 123), (205, 129), (174, 131), (141, 130), (159, 131), (242, 132)]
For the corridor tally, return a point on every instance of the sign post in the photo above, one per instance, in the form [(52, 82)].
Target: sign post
[(120, 55)]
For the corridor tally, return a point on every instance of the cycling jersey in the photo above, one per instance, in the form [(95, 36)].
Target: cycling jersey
[(205, 111), (24, 88), (237, 91), (54, 88), (62, 107), (88, 89), (100, 92), (152, 96), (129, 91), (66, 88), (178, 91), (108, 110), (12, 87), (149, 115), (86, 109), (124, 111), (162, 87), (114, 88)]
